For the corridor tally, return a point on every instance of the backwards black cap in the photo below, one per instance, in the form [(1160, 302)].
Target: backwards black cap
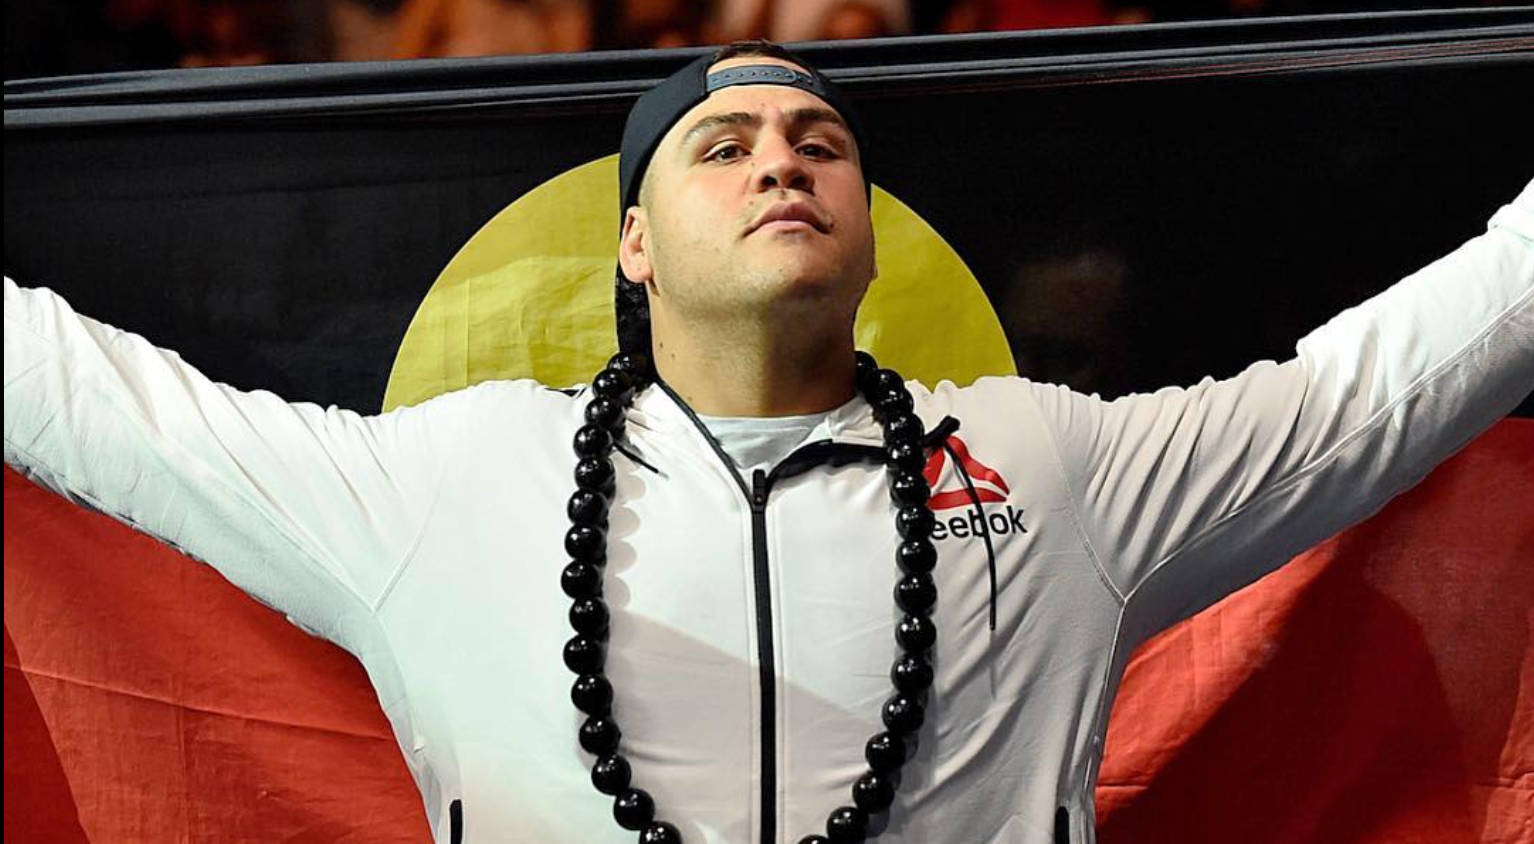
[(657, 110)]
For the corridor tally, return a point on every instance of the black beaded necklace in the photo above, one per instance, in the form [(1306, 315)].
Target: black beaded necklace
[(915, 593)]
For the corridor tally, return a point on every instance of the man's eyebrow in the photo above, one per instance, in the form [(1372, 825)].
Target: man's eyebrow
[(733, 118), (796, 117), (812, 114)]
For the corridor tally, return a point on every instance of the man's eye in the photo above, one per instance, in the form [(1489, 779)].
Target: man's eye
[(817, 151), (724, 153)]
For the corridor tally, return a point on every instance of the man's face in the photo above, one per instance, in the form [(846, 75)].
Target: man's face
[(704, 238)]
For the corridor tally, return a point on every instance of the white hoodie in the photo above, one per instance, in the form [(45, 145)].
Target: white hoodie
[(752, 627)]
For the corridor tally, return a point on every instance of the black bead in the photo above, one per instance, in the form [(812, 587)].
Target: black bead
[(885, 752), (915, 633), (586, 542), (888, 379), (873, 792), (906, 457), (903, 714), (814, 839), (581, 580), (595, 474), (636, 364), (916, 593), (867, 367), (660, 832), (612, 384), (879, 397), (589, 616), (584, 655), (909, 489), (605, 412), (587, 507), (592, 440), (634, 809), (917, 556), (847, 824), (912, 674), (600, 735), (592, 694), (903, 428), (914, 522), (889, 403), (611, 774)]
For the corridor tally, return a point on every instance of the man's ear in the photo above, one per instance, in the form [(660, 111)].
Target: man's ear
[(634, 246)]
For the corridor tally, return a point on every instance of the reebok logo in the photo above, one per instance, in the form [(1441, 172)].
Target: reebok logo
[(949, 492), (989, 484)]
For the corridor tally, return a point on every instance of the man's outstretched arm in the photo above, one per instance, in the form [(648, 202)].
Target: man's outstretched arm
[(308, 509), (1188, 494)]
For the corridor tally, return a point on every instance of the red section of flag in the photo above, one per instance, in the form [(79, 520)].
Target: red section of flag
[(36, 787), (175, 707), (1378, 689)]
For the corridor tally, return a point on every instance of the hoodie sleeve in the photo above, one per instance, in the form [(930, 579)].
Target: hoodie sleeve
[(1186, 495), (307, 509)]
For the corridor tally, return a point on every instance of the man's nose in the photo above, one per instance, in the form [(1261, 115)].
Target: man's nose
[(778, 165)]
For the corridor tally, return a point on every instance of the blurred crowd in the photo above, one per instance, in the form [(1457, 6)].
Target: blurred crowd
[(49, 37)]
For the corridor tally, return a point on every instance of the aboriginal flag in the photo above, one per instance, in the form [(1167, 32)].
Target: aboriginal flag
[(1141, 206)]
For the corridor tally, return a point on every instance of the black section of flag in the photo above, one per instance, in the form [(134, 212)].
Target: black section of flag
[(1145, 205)]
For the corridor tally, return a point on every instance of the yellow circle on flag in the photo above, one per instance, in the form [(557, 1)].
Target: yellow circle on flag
[(530, 295)]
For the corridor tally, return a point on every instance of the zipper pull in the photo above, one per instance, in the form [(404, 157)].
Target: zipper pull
[(759, 490)]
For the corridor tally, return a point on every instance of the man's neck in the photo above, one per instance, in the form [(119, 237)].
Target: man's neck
[(757, 373)]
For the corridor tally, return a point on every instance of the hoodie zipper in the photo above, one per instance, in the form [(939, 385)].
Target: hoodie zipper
[(766, 660), (761, 486), (800, 460)]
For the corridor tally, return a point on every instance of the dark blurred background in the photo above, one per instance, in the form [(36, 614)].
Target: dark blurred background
[(52, 38)]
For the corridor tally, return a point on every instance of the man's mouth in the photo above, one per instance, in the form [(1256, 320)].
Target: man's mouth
[(788, 225), (790, 216)]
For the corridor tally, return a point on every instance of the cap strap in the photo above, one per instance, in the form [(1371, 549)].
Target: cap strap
[(764, 74)]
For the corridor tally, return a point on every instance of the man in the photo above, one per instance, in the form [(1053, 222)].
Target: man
[(737, 603)]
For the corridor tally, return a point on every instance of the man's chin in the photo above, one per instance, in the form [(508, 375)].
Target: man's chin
[(806, 293), (797, 274), (791, 265)]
